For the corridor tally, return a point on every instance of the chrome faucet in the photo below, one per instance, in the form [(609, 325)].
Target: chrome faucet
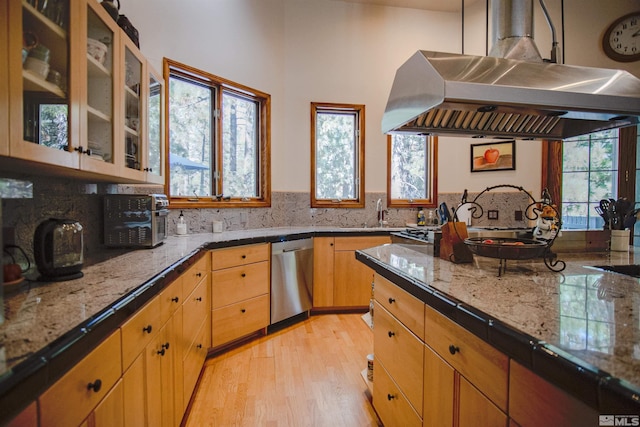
[(380, 213)]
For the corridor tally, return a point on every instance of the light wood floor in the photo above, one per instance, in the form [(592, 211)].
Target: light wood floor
[(305, 375)]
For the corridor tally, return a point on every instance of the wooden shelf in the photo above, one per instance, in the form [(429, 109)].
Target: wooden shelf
[(35, 83)]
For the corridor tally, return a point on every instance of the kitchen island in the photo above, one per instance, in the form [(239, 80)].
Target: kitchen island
[(579, 329)]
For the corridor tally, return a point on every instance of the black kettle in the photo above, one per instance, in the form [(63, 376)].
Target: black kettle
[(111, 7), (57, 249)]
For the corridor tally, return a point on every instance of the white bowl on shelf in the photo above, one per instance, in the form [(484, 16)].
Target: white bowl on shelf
[(97, 50), (37, 66)]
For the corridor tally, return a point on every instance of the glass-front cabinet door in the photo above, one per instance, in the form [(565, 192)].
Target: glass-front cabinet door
[(100, 67), (4, 80), (131, 133), (155, 128), (40, 69)]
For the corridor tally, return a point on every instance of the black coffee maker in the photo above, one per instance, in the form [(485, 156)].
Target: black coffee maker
[(57, 249)]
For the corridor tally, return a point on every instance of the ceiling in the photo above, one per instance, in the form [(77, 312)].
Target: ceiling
[(436, 5)]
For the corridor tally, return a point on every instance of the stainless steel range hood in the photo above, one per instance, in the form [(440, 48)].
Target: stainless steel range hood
[(464, 95)]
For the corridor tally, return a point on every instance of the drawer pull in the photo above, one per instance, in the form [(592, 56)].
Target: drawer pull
[(95, 386), (391, 396), (147, 329), (198, 274), (175, 299), (165, 346), (453, 349), (243, 257), (161, 351), (391, 300), (243, 310), (243, 275), (199, 346), (391, 334), (199, 299)]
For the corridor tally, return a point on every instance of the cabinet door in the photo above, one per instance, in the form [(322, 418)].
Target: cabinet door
[(439, 377), (159, 379), (154, 127), (135, 395), (476, 409), (110, 412), (131, 131), (323, 273), (42, 101), (100, 64)]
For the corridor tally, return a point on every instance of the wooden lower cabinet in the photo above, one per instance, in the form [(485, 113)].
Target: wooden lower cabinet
[(339, 280), (28, 417), (533, 401), (135, 394), (159, 361), (73, 397), (109, 412), (237, 320), (390, 403), (439, 381)]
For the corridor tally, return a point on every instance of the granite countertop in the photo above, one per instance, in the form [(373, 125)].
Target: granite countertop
[(583, 319)]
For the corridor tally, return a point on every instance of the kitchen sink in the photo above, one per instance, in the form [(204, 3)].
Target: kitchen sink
[(628, 270)]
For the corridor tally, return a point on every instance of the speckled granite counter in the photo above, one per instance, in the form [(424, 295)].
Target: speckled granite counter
[(50, 326), (579, 329)]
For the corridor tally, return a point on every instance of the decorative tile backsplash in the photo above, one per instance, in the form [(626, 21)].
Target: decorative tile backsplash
[(67, 198)]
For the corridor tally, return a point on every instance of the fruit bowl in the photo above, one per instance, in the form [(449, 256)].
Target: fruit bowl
[(506, 248)]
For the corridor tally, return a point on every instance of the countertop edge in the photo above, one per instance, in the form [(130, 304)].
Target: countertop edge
[(594, 387)]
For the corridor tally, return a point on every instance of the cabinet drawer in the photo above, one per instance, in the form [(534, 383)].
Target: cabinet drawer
[(235, 284), (74, 396), (479, 362), (401, 353), (534, 401), (194, 310), (237, 320), (391, 405), (139, 330), (194, 359), (477, 410), (360, 242), (171, 299), (239, 255), (195, 274), (404, 306)]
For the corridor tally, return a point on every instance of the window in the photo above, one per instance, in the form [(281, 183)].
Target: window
[(589, 174), (218, 140), (411, 170), (337, 155)]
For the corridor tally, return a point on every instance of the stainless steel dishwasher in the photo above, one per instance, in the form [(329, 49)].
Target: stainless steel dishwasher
[(291, 278)]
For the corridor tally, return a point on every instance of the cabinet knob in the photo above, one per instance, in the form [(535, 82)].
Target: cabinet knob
[(198, 274), (165, 346), (79, 149), (243, 275), (161, 351), (390, 396), (243, 257), (95, 386), (199, 346), (391, 334), (453, 349), (199, 299), (147, 329), (175, 299), (391, 300), (243, 310)]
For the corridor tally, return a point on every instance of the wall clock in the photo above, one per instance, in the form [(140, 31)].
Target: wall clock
[(621, 41)]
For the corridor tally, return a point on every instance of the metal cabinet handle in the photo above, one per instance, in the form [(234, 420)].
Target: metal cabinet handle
[(391, 300), (95, 386), (147, 329), (453, 349), (391, 334)]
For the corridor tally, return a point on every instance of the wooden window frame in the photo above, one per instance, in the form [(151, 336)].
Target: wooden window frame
[(432, 168), (358, 202), (174, 68)]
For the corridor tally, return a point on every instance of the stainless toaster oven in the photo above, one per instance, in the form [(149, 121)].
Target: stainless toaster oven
[(135, 220)]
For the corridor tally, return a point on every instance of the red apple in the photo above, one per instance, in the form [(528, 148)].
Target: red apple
[(491, 155)]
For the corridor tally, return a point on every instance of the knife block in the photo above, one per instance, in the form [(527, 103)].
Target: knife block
[(452, 246)]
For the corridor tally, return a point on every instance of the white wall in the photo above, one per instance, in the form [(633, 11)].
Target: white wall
[(301, 51)]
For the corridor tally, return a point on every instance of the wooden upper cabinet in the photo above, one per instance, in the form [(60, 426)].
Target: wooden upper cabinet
[(43, 101)]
